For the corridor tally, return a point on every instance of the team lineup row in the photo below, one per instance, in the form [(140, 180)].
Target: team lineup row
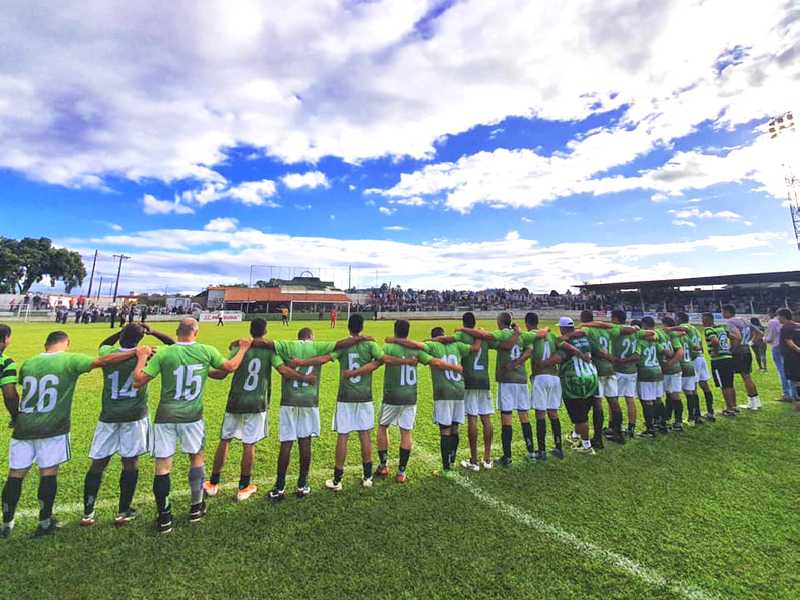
[(579, 366)]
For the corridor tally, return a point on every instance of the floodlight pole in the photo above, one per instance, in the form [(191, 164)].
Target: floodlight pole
[(780, 126)]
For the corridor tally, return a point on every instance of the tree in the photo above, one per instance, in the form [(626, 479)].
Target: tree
[(28, 261)]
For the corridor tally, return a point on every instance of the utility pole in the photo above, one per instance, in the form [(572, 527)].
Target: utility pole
[(121, 258), (99, 286), (91, 277), (349, 276)]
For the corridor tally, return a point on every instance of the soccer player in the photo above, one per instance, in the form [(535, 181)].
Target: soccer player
[(700, 367), (662, 411), (41, 424), (477, 396), (298, 420), (542, 348), (8, 372), (246, 411), (673, 367), (719, 339), (742, 357), (399, 406), (183, 368), (649, 375), (626, 358), (123, 427), (512, 382), (578, 382), (355, 412), (285, 316)]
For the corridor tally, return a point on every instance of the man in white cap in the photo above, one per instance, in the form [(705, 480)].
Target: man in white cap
[(578, 381)]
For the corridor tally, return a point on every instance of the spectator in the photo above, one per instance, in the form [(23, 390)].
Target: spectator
[(772, 337), (790, 349), (757, 344)]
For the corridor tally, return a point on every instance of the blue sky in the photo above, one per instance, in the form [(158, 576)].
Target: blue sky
[(431, 144)]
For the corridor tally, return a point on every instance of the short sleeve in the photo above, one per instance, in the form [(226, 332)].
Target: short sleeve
[(80, 363), (464, 349), (321, 348), (275, 360), (105, 350), (215, 358), (430, 348), (424, 358), (8, 372), (460, 336), (153, 366), (233, 350), (375, 351), (336, 355), (282, 349), (500, 335), (526, 338)]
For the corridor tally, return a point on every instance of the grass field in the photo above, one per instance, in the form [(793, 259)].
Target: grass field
[(709, 513)]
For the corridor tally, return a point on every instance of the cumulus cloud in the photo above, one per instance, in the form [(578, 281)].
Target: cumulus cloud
[(512, 236), (222, 224), (253, 193), (309, 179), (385, 210), (395, 228), (154, 206)]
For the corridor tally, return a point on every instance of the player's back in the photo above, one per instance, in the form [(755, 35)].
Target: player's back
[(400, 381), (476, 364), (251, 385), (121, 402)]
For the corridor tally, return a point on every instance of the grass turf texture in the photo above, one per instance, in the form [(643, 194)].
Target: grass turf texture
[(709, 513)]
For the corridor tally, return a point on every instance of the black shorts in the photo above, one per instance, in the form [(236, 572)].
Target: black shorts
[(578, 409), (723, 371), (742, 360)]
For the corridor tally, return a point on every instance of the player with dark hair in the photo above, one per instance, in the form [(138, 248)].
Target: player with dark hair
[(720, 340), (742, 356), (123, 427), (248, 402), (649, 375), (626, 358), (790, 349), (700, 369), (41, 424), (355, 411), (673, 368)]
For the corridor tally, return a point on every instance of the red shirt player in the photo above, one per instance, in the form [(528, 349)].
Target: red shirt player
[(333, 317)]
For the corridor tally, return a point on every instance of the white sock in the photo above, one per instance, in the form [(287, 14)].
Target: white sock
[(587, 443)]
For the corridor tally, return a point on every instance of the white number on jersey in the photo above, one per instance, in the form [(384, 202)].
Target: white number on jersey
[(452, 375), (650, 357), (188, 382), (584, 369), (516, 352), (253, 371), (408, 375), (126, 391), (628, 346), (43, 391), (352, 365), (477, 366), (296, 383)]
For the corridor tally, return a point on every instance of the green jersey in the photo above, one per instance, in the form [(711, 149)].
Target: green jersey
[(476, 365), (542, 348), (672, 343), (184, 368), (447, 385), (625, 346), (502, 374), (400, 381), (695, 341), (122, 403), (356, 389), (650, 351), (723, 351), (602, 340), (8, 370), (578, 377), (293, 391), (687, 362), (48, 386), (251, 386)]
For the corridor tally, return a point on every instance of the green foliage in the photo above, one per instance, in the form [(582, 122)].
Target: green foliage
[(714, 508), (28, 261)]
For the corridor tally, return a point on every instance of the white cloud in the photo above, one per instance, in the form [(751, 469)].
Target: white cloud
[(683, 223), (309, 179), (696, 213), (351, 187), (192, 259), (115, 227), (252, 193), (659, 197), (512, 235), (222, 224), (527, 220), (385, 210), (154, 206), (303, 206), (413, 201), (395, 228)]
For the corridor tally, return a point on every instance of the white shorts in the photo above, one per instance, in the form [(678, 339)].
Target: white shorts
[(701, 369), (298, 422), (402, 415), (353, 416), (448, 412), (478, 402), (660, 388), (129, 440), (649, 391), (249, 428), (45, 452), (689, 383), (546, 392), (513, 396), (672, 383), (626, 384), (191, 435), (607, 386)]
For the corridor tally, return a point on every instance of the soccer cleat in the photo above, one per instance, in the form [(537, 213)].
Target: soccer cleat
[(608, 432), (504, 461), (470, 466), (304, 491), (698, 420), (584, 450), (677, 427), (245, 493), (6, 529), (540, 455), (487, 464), (126, 517), (631, 432), (598, 444), (164, 522), (558, 453), (710, 417), (756, 403), (736, 410), (382, 472), (197, 512), (401, 477), (728, 413), (276, 495), (648, 433), (366, 482), (531, 456), (88, 520), (49, 528), (335, 486), (211, 489)]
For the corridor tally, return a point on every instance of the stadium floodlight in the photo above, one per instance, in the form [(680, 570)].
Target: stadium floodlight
[(784, 126)]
